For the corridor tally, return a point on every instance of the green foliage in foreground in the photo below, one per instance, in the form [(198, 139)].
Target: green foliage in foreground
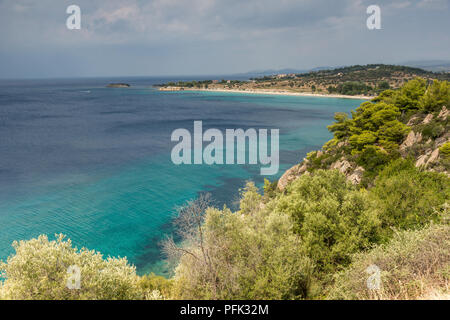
[(253, 254), (277, 246), (38, 271), (415, 264), (333, 218)]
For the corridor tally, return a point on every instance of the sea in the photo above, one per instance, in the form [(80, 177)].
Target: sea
[(94, 163)]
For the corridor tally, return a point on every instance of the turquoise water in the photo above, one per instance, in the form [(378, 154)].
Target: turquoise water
[(94, 163)]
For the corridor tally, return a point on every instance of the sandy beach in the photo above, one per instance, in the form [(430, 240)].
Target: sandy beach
[(284, 93)]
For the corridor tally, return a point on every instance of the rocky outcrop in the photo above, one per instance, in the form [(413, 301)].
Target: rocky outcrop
[(440, 141), (444, 113), (433, 157), (356, 176), (425, 151), (410, 140), (422, 160), (427, 119), (413, 121), (291, 174), (343, 166), (428, 158)]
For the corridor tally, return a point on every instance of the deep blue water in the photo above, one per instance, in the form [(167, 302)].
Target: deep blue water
[(94, 162)]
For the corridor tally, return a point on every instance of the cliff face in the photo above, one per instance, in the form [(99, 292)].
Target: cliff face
[(427, 135)]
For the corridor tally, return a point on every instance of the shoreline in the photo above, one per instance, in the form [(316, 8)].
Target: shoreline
[(283, 93)]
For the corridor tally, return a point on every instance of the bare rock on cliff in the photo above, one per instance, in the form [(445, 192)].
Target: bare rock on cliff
[(427, 158), (410, 140), (427, 119), (356, 176), (290, 175), (421, 161), (440, 141), (342, 165), (342, 144), (433, 157), (444, 113), (413, 121)]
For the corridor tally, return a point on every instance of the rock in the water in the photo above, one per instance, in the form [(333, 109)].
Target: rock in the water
[(118, 85)]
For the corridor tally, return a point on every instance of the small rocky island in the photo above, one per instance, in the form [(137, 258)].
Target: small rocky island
[(118, 85)]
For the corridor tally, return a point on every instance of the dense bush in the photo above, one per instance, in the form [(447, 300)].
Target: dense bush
[(251, 254), (408, 97), (39, 271), (415, 264), (407, 197), (333, 218), (445, 149), (352, 88), (156, 287), (436, 96)]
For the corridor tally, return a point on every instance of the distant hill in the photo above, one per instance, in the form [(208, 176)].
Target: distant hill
[(430, 65), (353, 80), (367, 80), (269, 72)]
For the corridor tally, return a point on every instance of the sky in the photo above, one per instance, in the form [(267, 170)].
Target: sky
[(206, 37)]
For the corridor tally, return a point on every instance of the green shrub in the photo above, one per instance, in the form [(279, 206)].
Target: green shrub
[(333, 218), (408, 197), (152, 283), (251, 254), (408, 97), (373, 159), (436, 96), (445, 149), (39, 271), (415, 264), (432, 130)]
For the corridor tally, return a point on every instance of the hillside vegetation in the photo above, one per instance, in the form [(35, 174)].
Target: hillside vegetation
[(367, 80), (374, 198)]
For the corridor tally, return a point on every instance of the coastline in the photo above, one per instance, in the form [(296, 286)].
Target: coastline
[(283, 93)]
